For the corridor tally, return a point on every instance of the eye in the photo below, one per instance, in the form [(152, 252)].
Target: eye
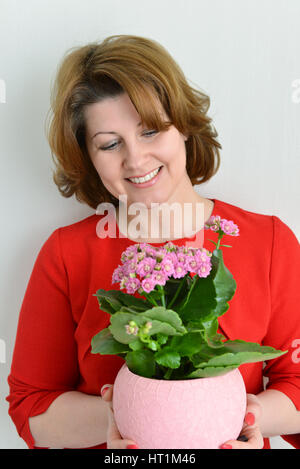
[(149, 133), (110, 147)]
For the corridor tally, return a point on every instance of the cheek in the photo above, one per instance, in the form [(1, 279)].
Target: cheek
[(106, 169), (174, 153)]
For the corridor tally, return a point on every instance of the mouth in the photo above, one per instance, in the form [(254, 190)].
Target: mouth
[(148, 178)]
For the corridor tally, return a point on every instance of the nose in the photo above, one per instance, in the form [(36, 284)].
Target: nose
[(135, 157)]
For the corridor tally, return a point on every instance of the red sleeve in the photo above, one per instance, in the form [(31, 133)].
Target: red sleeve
[(284, 328), (44, 361)]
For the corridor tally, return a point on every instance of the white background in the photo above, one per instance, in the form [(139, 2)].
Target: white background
[(244, 53)]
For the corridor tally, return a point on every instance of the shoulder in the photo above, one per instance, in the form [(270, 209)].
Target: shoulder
[(257, 228), (254, 222), (86, 226), (242, 215), (74, 238)]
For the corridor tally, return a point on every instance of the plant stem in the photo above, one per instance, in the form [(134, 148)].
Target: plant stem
[(168, 373), (162, 292), (151, 300), (177, 292), (219, 240), (190, 290)]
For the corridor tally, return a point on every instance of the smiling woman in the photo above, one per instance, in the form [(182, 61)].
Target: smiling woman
[(125, 121)]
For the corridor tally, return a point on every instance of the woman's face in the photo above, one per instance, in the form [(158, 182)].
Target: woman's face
[(120, 148)]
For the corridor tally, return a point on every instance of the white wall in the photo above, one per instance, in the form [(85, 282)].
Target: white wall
[(243, 53)]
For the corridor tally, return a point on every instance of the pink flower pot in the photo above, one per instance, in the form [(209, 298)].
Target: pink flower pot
[(187, 414)]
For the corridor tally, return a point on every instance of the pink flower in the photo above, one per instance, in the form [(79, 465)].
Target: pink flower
[(132, 285), (148, 284), (167, 267), (130, 266), (216, 223), (140, 256), (159, 277), (213, 223), (191, 263), (124, 282), (204, 269), (118, 274), (145, 267), (131, 328), (129, 253), (180, 270), (229, 228), (150, 251), (181, 256)]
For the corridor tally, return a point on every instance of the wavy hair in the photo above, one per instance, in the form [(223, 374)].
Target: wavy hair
[(143, 69)]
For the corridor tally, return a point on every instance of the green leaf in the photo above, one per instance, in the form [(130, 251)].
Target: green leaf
[(211, 336), (240, 346), (141, 362), (168, 357), (188, 344), (159, 327), (210, 371), (210, 295), (205, 353), (177, 287), (235, 353), (105, 344), (136, 345), (112, 300), (167, 316), (224, 283), (119, 320), (161, 339), (109, 305)]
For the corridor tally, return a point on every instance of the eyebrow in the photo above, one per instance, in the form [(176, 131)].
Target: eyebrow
[(111, 132)]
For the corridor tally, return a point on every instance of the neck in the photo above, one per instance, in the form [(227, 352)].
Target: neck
[(166, 221)]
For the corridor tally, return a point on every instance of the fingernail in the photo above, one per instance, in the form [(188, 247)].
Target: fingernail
[(132, 447), (250, 418), (104, 389), (225, 446)]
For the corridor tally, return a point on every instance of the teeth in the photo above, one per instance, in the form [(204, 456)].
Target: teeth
[(146, 178)]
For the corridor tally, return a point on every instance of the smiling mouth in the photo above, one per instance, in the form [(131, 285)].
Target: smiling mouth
[(146, 178)]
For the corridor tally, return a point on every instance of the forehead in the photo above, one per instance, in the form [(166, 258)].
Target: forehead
[(117, 109), (114, 112)]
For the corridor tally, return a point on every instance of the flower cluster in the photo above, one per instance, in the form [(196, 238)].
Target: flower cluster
[(220, 225), (145, 266)]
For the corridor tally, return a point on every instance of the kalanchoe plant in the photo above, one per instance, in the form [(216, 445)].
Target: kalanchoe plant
[(172, 333)]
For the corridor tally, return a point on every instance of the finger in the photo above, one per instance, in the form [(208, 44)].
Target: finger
[(114, 438), (107, 393), (105, 388), (254, 440), (113, 432), (253, 410)]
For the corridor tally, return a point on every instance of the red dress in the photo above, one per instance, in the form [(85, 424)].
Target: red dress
[(59, 314)]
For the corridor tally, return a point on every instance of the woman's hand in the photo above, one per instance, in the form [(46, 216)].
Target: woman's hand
[(114, 439), (250, 431)]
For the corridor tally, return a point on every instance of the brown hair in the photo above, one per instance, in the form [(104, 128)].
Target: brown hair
[(145, 70)]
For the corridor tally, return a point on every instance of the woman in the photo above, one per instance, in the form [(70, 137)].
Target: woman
[(122, 110)]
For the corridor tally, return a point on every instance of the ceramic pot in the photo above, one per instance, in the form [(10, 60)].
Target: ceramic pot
[(198, 413)]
